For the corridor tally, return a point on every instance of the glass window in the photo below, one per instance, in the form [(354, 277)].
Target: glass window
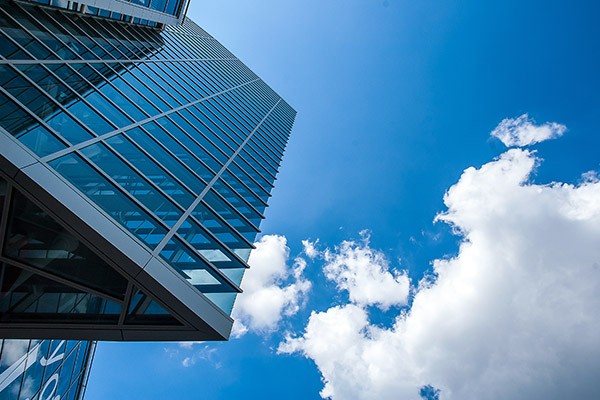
[(30, 298), (72, 74), (143, 309), (243, 190), (29, 43), (198, 134), (110, 199), (220, 228), (133, 183), (38, 102), (10, 50), (186, 139), (251, 183), (196, 270), (37, 240), (170, 163), (183, 154), (198, 237), (152, 170), (210, 130), (237, 202), (225, 210), (25, 128)]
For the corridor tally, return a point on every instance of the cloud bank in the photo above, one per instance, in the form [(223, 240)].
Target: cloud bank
[(365, 275), (523, 131), (272, 289), (515, 315)]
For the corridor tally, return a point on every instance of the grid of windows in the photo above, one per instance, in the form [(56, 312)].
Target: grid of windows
[(166, 132), (43, 369), (157, 8)]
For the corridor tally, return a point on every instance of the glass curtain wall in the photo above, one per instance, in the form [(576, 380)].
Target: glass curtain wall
[(168, 133)]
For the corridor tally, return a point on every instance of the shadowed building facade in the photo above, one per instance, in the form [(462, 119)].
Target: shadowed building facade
[(136, 162)]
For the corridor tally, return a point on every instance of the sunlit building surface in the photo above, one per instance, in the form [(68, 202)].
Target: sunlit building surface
[(135, 166)]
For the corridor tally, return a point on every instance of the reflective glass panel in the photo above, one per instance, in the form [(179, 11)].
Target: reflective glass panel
[(34, 238), (110, 198)]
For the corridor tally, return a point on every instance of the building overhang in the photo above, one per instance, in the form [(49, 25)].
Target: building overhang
[(197, 317)]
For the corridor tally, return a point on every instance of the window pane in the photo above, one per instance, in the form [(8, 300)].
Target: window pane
[(110, 199)]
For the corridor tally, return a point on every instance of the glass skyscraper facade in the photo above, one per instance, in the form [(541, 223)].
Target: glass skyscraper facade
[(137, 156), (43, 369), (153, 13), (135, 167)]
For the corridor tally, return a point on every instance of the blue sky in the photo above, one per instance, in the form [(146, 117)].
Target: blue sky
[(395, 100)]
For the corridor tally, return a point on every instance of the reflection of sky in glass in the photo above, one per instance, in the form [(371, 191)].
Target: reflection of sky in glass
[(41, 367)]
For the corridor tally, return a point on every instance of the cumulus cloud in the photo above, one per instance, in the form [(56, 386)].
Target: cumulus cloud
[(365, 274), (272, 289), (310, 248), (523, 131), (515, 315)]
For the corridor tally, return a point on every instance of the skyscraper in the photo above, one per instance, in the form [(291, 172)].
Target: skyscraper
[(136, 161)]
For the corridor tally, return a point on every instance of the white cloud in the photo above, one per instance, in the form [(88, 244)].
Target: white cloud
[(205, 353), (189, 354), (271, 288), (189, 345), (515, 315), (365, 275), (523, 131), (310, 248), (12, 350)]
